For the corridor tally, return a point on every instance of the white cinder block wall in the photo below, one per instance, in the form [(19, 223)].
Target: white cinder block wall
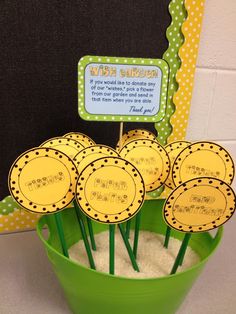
[(213, 108), (213, 117)]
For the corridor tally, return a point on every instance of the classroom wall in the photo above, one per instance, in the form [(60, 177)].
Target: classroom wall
[(213, 108)]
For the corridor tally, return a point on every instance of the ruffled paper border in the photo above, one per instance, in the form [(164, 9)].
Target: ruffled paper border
[(188, 53), (171, 56)]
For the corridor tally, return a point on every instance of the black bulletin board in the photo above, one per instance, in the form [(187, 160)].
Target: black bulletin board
[(40, 45)]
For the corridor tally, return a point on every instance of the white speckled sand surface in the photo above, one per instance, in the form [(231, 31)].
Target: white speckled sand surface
[(153, 259)]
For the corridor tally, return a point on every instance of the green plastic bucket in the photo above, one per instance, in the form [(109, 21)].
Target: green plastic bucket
[(92, 292)]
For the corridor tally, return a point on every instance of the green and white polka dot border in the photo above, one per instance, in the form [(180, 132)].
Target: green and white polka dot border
[(175, 37), (84, 61), (8, 205)]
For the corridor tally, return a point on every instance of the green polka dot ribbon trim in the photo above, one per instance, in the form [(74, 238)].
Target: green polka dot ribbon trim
[(122, 89), (8, 205), (176, 39)]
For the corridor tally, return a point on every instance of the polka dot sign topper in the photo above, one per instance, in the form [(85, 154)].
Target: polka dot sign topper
[(135, 135), (110, 190), (68, 146), (199, 205), (122, 89), (151, 159), (43, 180), (203, 159)]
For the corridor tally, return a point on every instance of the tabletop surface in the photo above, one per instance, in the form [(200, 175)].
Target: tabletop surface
[(28, 284)]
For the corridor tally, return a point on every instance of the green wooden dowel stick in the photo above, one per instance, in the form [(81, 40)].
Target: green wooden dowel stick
[(181, 260), (112, 249), (136, 233), (61, 234), (167, 237), (127, 231), (91, 234), (128, 247), (84, 236), (181, 253)]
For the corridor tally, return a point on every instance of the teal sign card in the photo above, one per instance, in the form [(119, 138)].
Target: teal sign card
[(122, 89)]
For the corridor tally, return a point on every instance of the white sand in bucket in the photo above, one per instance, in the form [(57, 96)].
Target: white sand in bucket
[(153, 259)]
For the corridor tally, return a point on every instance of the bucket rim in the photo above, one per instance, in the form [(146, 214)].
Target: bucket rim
[(41, 223)]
